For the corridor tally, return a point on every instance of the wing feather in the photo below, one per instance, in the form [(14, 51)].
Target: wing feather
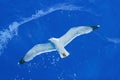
[(38, 49), (73, 33)]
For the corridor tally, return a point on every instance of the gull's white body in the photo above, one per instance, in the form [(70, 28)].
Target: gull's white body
[(59, 47), (57, 44)]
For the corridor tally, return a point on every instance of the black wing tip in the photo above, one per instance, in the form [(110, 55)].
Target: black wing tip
[(95, 27), (22, 61)]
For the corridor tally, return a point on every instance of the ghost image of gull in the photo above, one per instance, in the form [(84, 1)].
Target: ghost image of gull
[(57, 44)]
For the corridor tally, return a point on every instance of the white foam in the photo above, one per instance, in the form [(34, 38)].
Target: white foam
[(114, 40), (7, 34)]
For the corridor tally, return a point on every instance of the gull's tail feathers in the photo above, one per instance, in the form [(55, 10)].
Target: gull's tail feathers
[(64, 54), (59, 47)]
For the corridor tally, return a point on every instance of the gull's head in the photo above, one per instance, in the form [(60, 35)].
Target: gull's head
[(53, 39)]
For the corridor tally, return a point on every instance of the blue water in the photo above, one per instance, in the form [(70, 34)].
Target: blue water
[(94, 56)]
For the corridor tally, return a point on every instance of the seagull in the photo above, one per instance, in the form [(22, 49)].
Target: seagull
[(57, 44)]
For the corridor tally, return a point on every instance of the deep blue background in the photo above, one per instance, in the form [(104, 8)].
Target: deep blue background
[(95, 56)]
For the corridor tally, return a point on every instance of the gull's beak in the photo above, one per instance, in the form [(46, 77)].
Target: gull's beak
[(49, 39), (21, 61), (95, 27)]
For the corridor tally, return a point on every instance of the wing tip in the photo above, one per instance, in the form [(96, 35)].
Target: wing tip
[(95, 27), (22, 61)]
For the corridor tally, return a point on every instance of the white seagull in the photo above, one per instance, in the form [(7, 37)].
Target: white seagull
[(57, 44)]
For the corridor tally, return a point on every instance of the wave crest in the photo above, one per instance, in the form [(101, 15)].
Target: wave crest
[(7, 34)]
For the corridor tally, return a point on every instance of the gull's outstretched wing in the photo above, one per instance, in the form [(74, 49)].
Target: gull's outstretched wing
[(74, 32), (37, 50)]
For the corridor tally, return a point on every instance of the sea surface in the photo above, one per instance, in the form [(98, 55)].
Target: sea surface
[(25, 23)]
